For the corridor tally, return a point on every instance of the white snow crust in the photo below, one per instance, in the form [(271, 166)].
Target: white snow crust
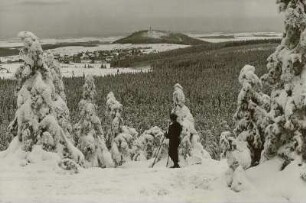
[(43, 181)]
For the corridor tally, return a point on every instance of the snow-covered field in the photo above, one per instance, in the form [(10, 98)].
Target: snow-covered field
[(148, 48), (76, 70), (43, 181), (228, 37)]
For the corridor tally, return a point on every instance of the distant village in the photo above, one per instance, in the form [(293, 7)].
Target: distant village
[(103, 58)]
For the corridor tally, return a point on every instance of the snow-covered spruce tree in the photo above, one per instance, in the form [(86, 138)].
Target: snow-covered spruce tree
[(251, 114), (278, 122), (120, 137), (60, 107), (56, 74), (36, 124), (179, 108), (113, 114), (122, 144), (146, 145), (89, 134), (286, 135), (238, 157), (243, 148), (191, 148)]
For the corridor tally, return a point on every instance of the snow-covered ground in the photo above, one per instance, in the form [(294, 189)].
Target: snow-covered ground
[(147, 48), (8, 70), (76, 70), (43, 181), (227, 37)]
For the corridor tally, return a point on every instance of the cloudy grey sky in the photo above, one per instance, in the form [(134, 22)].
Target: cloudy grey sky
[(81, 18)]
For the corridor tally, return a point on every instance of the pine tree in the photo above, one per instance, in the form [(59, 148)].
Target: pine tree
[(40, 105), (89, 133), (274, 125), (191, 148), (120, 137), (251, 112), (285, 135), (113, 114), (146, 145)]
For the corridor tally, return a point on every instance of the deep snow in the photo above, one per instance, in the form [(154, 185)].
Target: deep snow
[(43, 181)]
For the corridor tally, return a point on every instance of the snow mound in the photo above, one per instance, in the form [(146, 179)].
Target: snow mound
[(279, 183), (15, 158)]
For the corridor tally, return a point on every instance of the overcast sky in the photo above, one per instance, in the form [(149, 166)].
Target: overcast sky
[(81, 18)]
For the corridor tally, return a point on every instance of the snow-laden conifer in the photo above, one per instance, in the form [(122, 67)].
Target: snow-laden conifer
[(146, 145), (89, 133), (190, 148), (285, 135), (120, 137), (42, 111), (274, 126)]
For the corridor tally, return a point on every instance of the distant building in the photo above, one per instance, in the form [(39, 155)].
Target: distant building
[(57, 56), (105, 65), (66, 59)]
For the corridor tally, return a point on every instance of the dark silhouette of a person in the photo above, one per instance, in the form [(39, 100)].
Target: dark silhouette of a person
[(173, 134)]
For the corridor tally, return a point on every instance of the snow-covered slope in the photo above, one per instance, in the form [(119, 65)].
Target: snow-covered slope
[(43, 181)]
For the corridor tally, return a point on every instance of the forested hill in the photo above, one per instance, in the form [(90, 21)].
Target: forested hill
[(155, 36)]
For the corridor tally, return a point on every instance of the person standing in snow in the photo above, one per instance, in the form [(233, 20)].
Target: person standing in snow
[(173, 134)]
